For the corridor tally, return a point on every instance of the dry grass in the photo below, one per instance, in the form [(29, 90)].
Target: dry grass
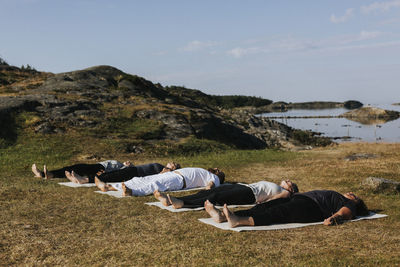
[(43, 223)]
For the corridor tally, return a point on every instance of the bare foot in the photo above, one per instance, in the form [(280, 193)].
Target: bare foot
[(100, 184), (71, 178), (214, 213), (80, 179), (233, 220), (46, 176), (162, 198), (36, 171), (126, 192), (176, 203)]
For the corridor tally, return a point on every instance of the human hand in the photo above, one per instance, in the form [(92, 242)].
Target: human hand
[(100, 172), (334, 220), (328, 221)]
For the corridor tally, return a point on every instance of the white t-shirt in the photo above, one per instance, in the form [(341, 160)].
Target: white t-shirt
[(169, 181), (142, 186), (263, 190), (198, 177)]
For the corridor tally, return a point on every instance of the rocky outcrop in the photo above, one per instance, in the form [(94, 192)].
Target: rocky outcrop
[(381, 185), (371, 115), (93, 97), (352, 104), (357, 156), (273, 133), (283, 106)]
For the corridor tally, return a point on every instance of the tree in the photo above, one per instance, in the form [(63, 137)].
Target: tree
[(3, 62)]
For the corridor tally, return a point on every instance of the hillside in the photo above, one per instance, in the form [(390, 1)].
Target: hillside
[(135, 115)]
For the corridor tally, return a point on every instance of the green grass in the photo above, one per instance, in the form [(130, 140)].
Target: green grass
[(43, 223)]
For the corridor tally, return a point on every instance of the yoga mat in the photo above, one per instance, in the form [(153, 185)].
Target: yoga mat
[(225, 226), (118, 194), (170, 208), (71, 184)]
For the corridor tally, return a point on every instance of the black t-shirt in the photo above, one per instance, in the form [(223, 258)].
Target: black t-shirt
[(148, 169), (330, 201)]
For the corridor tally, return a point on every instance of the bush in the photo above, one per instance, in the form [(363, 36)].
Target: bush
[(3, 62)]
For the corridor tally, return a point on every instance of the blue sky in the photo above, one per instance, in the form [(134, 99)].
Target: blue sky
[(281, 50)]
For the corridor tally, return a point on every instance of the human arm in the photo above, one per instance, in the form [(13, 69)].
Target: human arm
[(128, 163), (283, 194), (210, 185), (343, 214)]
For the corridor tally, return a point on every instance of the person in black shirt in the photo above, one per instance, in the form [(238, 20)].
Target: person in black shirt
[(313, 206), (89, 170), (124, 174)]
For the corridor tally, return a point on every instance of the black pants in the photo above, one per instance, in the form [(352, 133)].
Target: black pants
[(88, 170), (119, 175), (233, 194), (128, 173), (298, 209)]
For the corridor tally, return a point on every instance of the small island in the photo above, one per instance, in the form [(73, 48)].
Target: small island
[(371, 115)]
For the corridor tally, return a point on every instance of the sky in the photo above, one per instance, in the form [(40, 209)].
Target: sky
[(291, 51)]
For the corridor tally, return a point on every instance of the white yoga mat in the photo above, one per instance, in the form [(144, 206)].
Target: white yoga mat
[(118, 194), (71, 184), (225, 226), (170, 208)]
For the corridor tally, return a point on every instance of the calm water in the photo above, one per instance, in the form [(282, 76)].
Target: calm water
[(341, 127)]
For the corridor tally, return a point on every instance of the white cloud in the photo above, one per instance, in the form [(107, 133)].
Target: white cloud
[(289, 44), (365, 35), (198, 45), (347, 15), (380, 6), (389, 21), (362, 36), (365, 46), (239, 52)]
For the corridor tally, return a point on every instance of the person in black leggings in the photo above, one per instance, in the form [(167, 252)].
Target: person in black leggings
[(83, 169), (313, 206), (232, 194), (124, 174)]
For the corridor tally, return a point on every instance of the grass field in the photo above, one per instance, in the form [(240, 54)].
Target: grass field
[(43, 223)]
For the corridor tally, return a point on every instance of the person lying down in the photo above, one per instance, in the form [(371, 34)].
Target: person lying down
[(231, 194), (314, 206), (124, 174), (181, 179), (83, 169)]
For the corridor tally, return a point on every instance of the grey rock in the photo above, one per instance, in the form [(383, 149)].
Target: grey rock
[(381, 185), (134, 149), (45, 128), (360, 156)]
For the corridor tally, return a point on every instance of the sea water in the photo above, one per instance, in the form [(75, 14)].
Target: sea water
[(341, 129)]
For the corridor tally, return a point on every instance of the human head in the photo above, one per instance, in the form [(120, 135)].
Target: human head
[(289, 186), (172, 166), (219, 173), (361, 208)]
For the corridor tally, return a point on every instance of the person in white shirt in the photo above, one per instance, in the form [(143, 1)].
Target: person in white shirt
[(232, 194), (184, 178)]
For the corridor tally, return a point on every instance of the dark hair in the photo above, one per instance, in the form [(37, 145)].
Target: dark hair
[(220, 174), (361, 208), (221, 177), (295, 189), (177, 165)]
